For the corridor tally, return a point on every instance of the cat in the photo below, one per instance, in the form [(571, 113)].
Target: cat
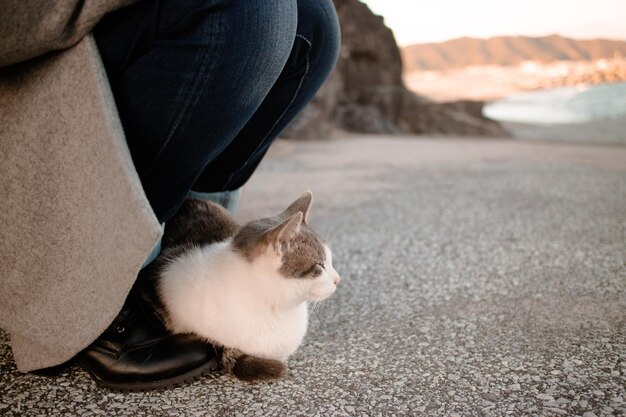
[(245, 288)]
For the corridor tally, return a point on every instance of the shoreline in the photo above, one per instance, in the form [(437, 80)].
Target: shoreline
[(608, 131), (598, 132)]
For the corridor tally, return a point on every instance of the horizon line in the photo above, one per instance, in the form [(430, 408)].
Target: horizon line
[(404, 45)]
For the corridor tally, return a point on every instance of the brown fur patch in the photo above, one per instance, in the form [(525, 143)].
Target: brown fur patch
[(253, 238), (250, 240), (251, 368), (303, 256), (199, 222)]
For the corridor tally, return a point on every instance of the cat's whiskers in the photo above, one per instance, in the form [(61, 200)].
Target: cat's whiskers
[(320, 305), (331, 230), (330, 241), (315, 309), (317, 306)]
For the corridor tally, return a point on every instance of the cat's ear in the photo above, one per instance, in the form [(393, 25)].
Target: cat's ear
[(302, 204), (261, 236), (279, 236)]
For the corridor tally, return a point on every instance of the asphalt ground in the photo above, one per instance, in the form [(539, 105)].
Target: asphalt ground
[(479, 278)]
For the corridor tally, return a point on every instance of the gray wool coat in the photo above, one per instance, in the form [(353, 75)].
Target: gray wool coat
[(74, 221)]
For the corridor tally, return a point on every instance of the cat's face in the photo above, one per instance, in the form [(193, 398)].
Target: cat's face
[(288, 245), (308, 261)]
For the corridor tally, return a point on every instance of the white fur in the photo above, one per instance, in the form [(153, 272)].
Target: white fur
[(216, 293)]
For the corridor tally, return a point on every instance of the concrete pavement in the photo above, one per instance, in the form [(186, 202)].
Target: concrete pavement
[(480, 277)]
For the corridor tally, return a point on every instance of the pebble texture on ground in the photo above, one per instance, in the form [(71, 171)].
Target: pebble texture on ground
[(488, 284)]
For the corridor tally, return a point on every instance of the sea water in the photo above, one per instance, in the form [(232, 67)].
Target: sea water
[(568, 105)]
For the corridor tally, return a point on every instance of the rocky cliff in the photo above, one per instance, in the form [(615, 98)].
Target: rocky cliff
[(366, 93)]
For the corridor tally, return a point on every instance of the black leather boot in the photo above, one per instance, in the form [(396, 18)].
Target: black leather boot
[(137, 353)]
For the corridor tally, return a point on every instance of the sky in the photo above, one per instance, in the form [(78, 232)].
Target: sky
[(418, 21)]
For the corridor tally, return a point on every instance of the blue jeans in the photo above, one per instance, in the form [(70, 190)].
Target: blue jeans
[(203, 87)]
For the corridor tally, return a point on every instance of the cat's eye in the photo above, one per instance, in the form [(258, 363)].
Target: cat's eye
[(313, 271)]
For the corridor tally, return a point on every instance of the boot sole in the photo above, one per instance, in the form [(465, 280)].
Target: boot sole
[(141, 386)]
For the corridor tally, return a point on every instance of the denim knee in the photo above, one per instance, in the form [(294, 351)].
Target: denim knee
[(260, 33), (251, 38), (265, 29), (318, 25)]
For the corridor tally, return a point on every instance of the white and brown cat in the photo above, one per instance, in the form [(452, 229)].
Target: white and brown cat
[(243, 288)]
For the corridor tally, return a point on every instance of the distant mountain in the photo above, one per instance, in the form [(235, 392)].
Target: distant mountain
[(506, 50)]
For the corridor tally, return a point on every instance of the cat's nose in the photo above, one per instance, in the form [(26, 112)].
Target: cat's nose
[(336, 279)]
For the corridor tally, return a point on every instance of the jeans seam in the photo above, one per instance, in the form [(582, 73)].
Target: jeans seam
[(305, 39), (280, 118)]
